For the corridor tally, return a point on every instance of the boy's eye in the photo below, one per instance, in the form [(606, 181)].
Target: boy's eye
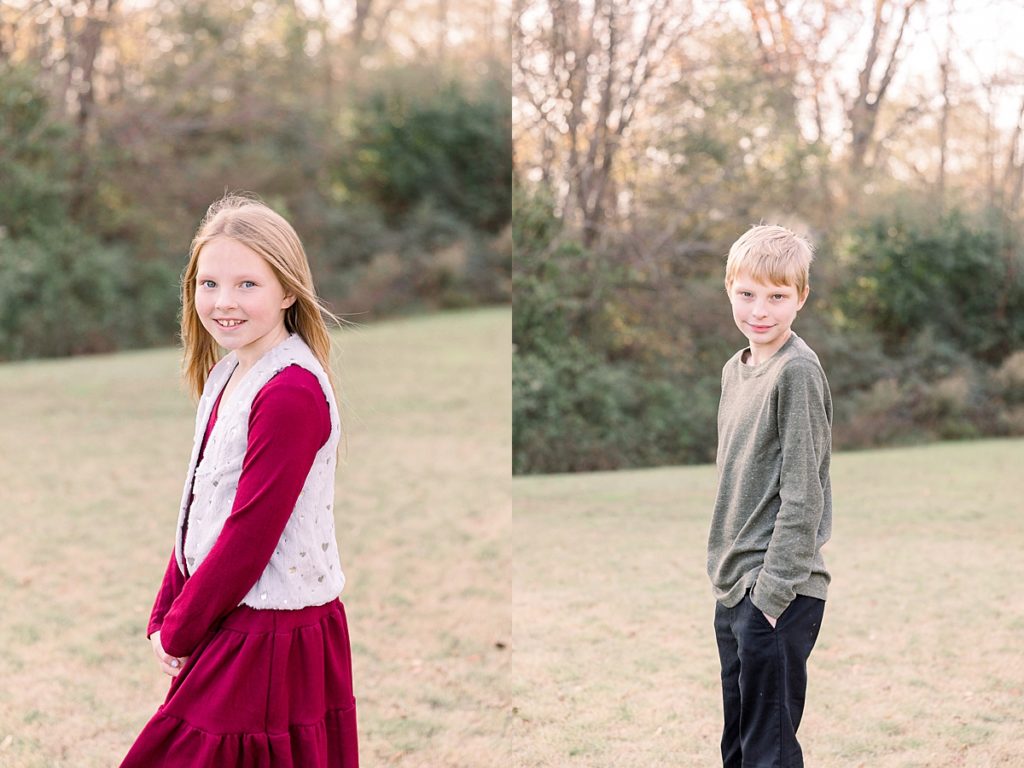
[(779, 296)]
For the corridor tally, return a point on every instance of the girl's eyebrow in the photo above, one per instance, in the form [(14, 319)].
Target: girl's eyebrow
[(239, 278)]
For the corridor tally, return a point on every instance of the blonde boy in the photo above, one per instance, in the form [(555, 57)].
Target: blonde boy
[(773, 510)]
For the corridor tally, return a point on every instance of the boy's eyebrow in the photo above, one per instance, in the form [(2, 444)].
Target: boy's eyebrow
[(740, 286)]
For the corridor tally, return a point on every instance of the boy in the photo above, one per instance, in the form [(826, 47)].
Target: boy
[(773, 511)]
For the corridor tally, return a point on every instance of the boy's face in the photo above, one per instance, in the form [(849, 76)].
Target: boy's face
[(764, 313)]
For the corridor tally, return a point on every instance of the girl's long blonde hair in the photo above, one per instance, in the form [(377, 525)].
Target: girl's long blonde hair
[(247, 220)]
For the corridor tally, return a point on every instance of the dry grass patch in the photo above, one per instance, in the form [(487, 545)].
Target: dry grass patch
[(95, 453), (918, 664)]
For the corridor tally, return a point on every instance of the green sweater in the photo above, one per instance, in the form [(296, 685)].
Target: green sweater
[(773, 511)]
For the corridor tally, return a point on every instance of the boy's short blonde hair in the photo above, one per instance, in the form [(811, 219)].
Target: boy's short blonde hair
[(771, 254)]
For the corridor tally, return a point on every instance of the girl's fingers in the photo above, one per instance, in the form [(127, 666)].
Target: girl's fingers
[(169, 667)]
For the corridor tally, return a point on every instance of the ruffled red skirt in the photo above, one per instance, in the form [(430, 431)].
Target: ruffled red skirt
[(266, 689)]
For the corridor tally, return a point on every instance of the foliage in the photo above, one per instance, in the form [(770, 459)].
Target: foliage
[(397, 183), (439, 144), (34, 153), (917, 300), (573, 411), (911, 319), (957, 280), (575, 406), (63, 293)]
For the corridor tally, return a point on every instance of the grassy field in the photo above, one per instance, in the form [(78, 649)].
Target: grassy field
[(571, 627), (94, 453), (919, 663)]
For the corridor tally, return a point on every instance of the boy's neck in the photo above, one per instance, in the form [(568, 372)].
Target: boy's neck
[(756, 354)]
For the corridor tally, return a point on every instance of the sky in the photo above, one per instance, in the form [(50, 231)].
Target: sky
[(987, 34)]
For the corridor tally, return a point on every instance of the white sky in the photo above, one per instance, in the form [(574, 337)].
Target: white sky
[(988, 34), (988, 38)]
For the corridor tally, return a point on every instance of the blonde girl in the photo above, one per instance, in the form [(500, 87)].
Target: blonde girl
[(247, 622)]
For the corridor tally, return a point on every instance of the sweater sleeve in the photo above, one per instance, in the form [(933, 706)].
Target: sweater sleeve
[(170, 588), (288, 423), (805, 438)]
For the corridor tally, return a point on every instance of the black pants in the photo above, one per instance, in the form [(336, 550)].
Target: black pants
[(764, 680)]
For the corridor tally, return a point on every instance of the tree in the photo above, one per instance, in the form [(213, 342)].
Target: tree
[(581, 75), (883, 54)]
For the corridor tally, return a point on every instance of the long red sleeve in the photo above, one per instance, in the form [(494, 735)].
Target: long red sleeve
[(288, 423), (170, 588)]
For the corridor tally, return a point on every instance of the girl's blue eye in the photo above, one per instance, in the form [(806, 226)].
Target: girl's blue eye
[(203, 283), (248, 283)]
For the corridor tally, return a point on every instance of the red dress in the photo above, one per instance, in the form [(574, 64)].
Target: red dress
[(266, 688)]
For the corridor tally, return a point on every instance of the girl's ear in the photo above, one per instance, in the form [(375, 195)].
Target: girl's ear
[(288, 301)]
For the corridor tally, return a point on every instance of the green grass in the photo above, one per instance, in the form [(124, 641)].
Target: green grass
[(918, 662), (95, 451)]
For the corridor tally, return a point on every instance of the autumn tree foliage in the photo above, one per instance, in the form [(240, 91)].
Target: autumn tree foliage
[(877, 128), (380, 128)]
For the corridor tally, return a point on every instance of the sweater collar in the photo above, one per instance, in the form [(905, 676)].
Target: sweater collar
[(750, 371)]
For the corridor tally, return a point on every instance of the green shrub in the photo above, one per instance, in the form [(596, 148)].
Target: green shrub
[(914, 320), (582, 398), (955, 278), (413, 144), (62, 293), (574, 412), (35, 161)]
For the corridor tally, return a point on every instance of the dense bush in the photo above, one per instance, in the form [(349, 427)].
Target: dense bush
[(918, 322), (399, 189), (414, 144), (34, 161), (63, 293), (957, 280), (574, 412), (575, 406)]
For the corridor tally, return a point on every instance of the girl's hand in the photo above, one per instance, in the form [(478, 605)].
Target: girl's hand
[(171, 665)]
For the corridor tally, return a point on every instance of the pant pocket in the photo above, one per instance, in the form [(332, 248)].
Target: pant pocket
[(759, 616)]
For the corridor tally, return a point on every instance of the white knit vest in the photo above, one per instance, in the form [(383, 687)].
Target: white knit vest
[(304, 569)]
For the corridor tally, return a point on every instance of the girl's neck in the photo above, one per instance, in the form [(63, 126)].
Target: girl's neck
[(251, 353)]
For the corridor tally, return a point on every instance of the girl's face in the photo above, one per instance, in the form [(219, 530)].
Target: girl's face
[(239, 299)]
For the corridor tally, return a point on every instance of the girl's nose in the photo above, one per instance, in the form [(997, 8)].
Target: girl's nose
[(225, 299)]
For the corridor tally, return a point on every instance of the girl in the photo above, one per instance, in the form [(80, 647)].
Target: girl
[(247, 621)]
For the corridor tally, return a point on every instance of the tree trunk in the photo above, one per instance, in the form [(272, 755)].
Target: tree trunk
[(944, 68), (863, 113), (88, 46)]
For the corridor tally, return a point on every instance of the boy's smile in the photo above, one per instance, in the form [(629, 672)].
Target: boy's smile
[(764, 313)]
